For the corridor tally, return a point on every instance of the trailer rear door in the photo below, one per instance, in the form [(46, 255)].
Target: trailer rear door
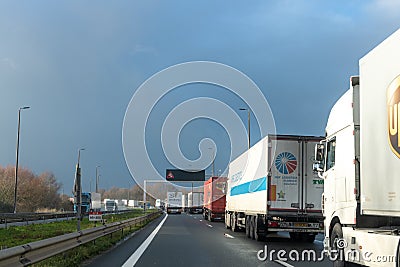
[(285, 180)]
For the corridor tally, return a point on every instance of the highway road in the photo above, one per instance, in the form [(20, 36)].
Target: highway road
[(189, 240)]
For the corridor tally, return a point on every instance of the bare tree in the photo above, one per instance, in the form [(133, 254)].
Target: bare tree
[(34, 191)]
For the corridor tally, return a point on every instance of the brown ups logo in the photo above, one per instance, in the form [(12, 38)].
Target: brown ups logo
[(393, 109)]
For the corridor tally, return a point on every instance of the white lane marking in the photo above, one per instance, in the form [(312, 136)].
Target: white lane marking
[(209, 225), (201, 220), (138, 253), (228, 235), (284, 263)]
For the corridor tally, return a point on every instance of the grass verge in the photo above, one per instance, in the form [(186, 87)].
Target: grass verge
[(77, 256), (19, 235)]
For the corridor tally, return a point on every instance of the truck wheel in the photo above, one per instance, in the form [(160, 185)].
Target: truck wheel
[(227, 221), (248, 226), (309, 238), (257, 235), (294, 236), (252, 227), (337, 236), (398, 254), (234, 227)]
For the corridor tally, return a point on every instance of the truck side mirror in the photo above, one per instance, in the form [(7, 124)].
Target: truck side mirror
[(319, 152), (318, 167)]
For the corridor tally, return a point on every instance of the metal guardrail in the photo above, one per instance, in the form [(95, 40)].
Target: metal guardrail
[(34, 252), (6, 218)]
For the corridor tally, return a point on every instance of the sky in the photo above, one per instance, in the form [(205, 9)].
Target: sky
[(79, 64)]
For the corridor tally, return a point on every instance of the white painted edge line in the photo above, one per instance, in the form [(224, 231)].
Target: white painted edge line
[(138, 253), (284, 263), (209, 225), (228, 235)]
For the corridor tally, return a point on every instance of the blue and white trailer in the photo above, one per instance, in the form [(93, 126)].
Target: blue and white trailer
[(272, 187)]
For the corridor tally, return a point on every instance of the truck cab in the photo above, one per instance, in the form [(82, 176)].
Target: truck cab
[(85, 202), (337, 159), (360, 164)]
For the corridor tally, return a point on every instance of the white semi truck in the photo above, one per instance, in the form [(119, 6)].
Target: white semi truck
[(95, 203), (360, 163), (272, 187), (195, 202), (184, 202), (174, 202)]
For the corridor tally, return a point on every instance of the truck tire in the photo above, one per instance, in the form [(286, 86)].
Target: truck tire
[(227, 221), (398, 255), (337, 234), (294, 236), (248, 226), (252, 227), (257, 226), (234, 227), (309, 238)]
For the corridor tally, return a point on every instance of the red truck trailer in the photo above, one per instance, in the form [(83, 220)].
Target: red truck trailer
[(214, 198)]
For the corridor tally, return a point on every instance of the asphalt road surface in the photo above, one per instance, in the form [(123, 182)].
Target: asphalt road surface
[(189, 240)]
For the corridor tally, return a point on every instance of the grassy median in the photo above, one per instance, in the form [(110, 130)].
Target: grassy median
[(19, 235)]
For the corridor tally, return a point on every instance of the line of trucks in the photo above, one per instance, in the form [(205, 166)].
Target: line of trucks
[(177, 202), (210, 202), (345, 185)]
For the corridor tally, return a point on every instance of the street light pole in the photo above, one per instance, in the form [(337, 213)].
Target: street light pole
[(144, 197), (213, 162), (17, 155), (78, 191), (97, 179), (248, 123)]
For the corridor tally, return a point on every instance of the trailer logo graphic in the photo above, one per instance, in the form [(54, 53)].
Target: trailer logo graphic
[(393, 110), (286, 163)]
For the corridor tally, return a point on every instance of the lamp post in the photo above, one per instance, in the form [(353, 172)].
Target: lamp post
[(144, 197), (17, 155), (78, 191), (213, 162), (248, 122), (97, 179)]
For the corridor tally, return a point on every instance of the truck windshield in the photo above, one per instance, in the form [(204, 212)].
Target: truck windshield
[(85, 198)]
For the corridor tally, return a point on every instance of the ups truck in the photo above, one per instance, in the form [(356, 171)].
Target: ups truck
[(359, 161)]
